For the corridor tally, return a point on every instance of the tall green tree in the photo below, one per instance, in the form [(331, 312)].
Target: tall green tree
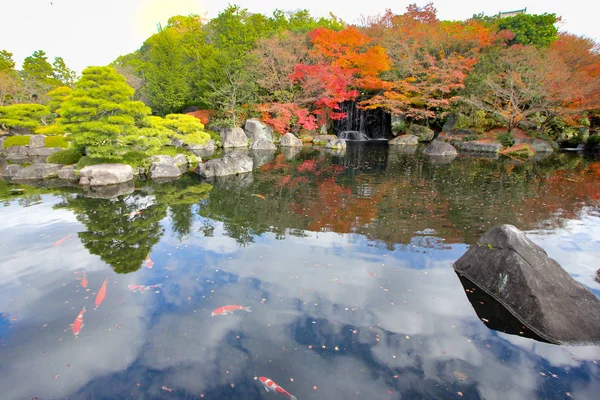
[(62, 73), (9, 80), (535, 29), (101, 114), (167, 83), (37, 78)]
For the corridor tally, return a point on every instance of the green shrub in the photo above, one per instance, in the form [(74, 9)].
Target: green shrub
[(198, 138), (470, 137), (16, 141), (56, 141), (23, 116), (593, 141), (399, 126), (70, 156), (506, 139)]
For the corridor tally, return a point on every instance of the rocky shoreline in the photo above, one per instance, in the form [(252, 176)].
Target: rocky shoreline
[(243, 150)]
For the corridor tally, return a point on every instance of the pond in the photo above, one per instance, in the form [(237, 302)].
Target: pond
[(344, 260)]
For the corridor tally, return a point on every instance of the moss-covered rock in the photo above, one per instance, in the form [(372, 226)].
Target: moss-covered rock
[(16, 141)]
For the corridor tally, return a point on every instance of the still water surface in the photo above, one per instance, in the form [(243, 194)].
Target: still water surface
[(345, 261)]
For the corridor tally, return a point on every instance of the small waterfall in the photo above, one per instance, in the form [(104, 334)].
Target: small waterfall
[(353, 135), (374, 124)]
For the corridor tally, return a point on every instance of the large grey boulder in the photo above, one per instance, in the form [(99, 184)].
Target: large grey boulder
[(262, 144), (422, 132), (439, 148), (231, 164), (256, 130), (202, 150), (37, 141), (38, 171), (404, 140), (233, 137), (479, 147), (10, 171), (167, 167), (532, 286), (160, 170), (43, 151), (290, 140), (105, 174), (17, 150), (68, 173)]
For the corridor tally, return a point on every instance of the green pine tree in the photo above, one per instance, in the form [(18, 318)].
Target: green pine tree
[(101, 114)]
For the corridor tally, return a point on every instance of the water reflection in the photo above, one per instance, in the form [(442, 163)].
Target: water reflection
[(346, 262)]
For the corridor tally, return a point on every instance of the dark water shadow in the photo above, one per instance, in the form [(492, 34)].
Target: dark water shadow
[(493, 314)]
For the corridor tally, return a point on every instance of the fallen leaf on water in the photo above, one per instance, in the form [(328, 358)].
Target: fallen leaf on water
[(166, 389), (315, 387), (56, 376), (390, 391), (459, 394), (460, 376)]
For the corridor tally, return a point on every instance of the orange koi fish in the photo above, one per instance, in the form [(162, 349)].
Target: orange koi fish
[(271, 386), (260, 196), (84, 281), (148, 261), (78, 323), (229, 310), (59, 241), (101, 294)]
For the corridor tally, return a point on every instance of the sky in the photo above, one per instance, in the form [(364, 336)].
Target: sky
[(86, 32)]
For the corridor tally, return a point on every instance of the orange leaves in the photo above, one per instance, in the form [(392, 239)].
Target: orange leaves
[(338, 44), (282, 116), (350, 50)]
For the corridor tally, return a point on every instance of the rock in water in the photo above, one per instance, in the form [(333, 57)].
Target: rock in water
[(38, 171), (404, 140), (231, 164), (256, 131), (289, 140), (439, 148), (532, 286), (105, 174)]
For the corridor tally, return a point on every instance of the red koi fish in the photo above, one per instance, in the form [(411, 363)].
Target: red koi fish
[(101, 294), (148, 261), (229, 310), (271, 386), (84, 281), (78, 323), (142, 288), (59, 241)]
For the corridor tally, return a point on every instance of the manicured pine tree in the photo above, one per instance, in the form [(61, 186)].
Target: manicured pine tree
[(101, 115)]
